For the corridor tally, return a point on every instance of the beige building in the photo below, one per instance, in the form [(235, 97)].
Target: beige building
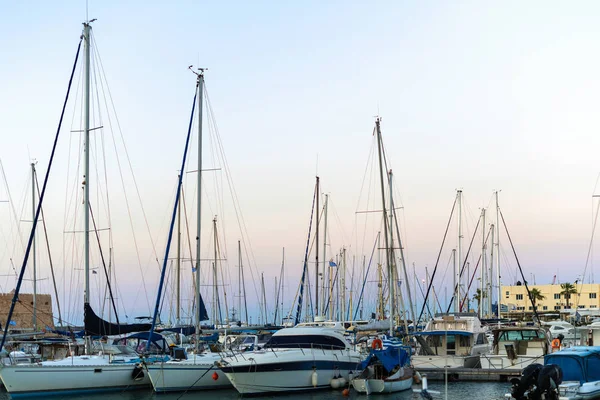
[(23, 314), (515, 299)]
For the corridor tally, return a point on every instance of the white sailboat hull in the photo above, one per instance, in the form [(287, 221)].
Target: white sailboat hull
[(179, 376), (27, 380), (369, 386)]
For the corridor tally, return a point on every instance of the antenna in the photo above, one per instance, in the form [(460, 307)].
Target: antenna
[(191, 68)]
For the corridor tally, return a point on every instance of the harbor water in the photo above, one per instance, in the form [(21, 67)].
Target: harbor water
[(456, 391)]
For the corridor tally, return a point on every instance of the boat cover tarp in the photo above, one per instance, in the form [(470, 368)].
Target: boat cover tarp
[(444, 333), (184, 330), (94, 325), (578, 363), (389, 357), (77, 334), (155, 338)]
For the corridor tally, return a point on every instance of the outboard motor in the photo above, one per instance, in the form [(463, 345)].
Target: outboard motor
[(548, 380), (527, 382)]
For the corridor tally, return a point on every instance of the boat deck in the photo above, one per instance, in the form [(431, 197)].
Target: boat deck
[(470, 374)]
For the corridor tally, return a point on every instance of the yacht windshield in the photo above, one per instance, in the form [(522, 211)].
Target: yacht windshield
[(304, 341)]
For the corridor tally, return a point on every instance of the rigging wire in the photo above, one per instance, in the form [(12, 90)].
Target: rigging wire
[(39, 205)]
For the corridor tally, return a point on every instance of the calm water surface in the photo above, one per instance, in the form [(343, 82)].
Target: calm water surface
[(456, 391)]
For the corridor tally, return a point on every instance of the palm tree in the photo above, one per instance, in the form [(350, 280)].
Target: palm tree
[(479, 296), (567, 290), (536, 295)]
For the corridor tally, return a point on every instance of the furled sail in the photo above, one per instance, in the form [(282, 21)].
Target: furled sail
[(96, 326)]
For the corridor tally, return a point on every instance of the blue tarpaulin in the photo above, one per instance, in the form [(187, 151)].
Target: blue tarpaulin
[(389, 357), (579, 363)]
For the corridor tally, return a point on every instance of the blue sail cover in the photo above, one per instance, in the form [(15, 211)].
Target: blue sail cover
[(578, 363), (389, 358)]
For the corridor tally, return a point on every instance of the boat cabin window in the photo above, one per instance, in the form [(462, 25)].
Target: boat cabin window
[(450, 344), (480, 339), (464, 341), (509, 336), (305, 341)]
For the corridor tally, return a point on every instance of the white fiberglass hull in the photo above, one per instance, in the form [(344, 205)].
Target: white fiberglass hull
[(31, 380), (445, 362), (575, 391), (285, 370), (369, 386), (503, 363), (183, 375)]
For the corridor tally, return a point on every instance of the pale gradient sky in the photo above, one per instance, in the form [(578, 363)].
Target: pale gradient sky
[(473, 95)]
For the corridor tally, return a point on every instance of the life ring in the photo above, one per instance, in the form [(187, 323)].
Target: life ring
[(555, 344), (377, 344)]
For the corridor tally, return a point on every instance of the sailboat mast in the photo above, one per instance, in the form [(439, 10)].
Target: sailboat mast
[(490, 288), (200, 87), (324, 253), (456, 281), (343, 286), (498, 254), (240, 281), (33, 249), (317, 194), (86, 168), (217, 312), (482, 303), (385, 223), (262, 278), (459, 264), (178, 312)]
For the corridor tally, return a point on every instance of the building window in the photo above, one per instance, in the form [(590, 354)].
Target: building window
[(556, 296), (567, 307), (507, 293), (557, 307), (593, 306), (519, 297), (521, 308), (530, 308), (592, 295), (580, 306), (545, 308)]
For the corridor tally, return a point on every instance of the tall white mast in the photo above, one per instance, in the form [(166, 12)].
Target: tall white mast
[(460, 237), (239, 281), (498, 254), (343, 284), (86, 178), (456, 281), (200, 87), (482, 301), (490, 288), (33, 249), (178, 271), (325, 266)]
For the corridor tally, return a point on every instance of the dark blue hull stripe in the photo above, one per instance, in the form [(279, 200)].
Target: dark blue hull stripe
[(38, 393), (292, 366)]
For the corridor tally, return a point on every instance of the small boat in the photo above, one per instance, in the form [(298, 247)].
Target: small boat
[(581, 372), (455, 340), (385, 371), (516, 347)]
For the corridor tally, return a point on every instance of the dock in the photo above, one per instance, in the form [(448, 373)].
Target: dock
[(470, 374)]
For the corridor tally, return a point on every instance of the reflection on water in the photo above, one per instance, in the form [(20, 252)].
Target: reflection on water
[(456, 391)]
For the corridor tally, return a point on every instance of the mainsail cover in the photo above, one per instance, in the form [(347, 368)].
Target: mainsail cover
[(96, 326)]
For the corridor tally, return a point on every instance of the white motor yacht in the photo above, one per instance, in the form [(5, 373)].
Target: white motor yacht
[(306, 357)]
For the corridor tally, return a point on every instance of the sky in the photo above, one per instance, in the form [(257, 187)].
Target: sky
[(478, 96)]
